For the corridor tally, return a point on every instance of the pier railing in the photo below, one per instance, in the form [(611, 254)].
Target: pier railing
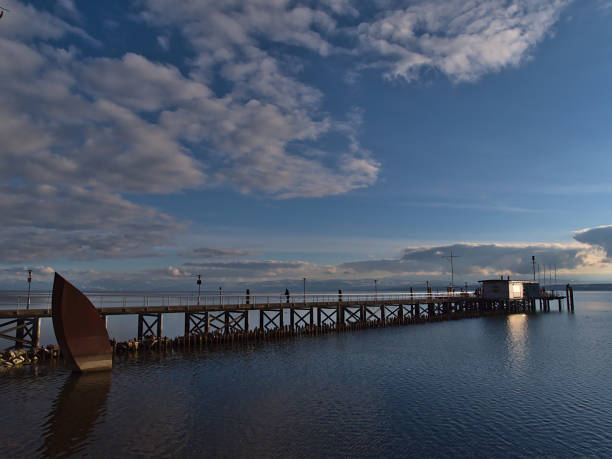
[(118, 300)]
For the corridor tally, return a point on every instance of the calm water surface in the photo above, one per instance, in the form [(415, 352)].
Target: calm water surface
[(537, 385)]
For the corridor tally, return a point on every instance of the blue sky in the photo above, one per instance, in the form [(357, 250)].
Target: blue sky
[(261, 142)]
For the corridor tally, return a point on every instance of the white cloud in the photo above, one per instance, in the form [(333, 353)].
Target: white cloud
[(25, 22), (462, 39)]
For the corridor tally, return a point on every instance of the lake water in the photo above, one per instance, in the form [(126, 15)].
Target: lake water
[(538, 385)]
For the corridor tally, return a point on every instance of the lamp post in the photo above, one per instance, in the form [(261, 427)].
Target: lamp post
[(375, 289), (199, 282), (304, 279), (29, 287)]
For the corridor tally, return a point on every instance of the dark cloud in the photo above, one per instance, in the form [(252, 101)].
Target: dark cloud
[(50, 223), (217, 252), (600, 236), (474, 260)]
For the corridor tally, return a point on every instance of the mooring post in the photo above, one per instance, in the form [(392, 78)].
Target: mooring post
[(382, 314), (261, 319), (246, 321), (311, 313), (572, 297), (292, 318), (36, 332), (140, 322), (281, 317), (318, 317)]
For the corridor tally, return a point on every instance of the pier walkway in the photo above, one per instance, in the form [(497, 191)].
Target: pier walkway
[(227, 317)]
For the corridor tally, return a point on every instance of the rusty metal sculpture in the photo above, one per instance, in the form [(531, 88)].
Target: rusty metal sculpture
[(79, 329)]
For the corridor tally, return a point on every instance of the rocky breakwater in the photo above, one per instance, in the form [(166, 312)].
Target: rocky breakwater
[(17, 357)]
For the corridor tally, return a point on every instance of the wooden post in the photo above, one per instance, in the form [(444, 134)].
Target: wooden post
[(292, 318), (227, 321), (311, 317), (187, 324), (140, 320), (36, 332), (246, 321), (318, 316), (261, 319), (281, 318)]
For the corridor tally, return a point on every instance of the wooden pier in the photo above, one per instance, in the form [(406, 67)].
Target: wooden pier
[(218, 319)]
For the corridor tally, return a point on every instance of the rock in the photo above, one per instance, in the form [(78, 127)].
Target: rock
[(18, 360), (20, 352)]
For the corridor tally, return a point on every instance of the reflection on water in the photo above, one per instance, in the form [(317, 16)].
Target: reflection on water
[(517, 340), (79, 405)]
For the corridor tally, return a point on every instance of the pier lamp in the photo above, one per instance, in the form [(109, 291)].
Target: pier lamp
[(199, 282), (29, 286)]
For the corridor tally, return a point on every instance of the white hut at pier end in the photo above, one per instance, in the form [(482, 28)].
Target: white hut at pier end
[(506, 289)]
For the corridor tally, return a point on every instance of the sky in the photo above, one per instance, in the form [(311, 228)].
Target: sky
[(260, 142)]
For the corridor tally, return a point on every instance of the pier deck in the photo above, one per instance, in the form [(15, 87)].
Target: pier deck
[(228, 315)]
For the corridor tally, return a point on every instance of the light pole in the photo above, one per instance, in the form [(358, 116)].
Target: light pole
[(304, 289), (533, 263), (199, 282), (375, 288), (451, 257), (29, 286)]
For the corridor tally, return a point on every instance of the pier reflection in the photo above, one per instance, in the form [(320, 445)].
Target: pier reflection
[(77, 408), (517, 339)]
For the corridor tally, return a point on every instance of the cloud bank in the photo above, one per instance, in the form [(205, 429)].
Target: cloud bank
[(414, 266)]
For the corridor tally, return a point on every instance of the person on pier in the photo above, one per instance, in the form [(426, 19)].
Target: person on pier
[(287, 294)]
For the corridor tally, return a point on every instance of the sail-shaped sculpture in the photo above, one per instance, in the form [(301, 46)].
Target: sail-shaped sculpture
[(79, 329)]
